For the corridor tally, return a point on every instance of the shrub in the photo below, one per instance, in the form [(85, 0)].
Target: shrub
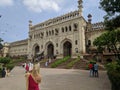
[(114, 77), (113, 71), (114, 66), (5, 60)]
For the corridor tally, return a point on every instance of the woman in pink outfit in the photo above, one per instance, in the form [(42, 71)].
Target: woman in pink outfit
[(33, 79)]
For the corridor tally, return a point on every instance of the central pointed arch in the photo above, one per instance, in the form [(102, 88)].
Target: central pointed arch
[(67, 49), (36, 49), (50, 50)]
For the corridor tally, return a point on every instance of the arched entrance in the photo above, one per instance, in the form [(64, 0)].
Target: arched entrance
[(50, 50), (67, 48), (36, 50)]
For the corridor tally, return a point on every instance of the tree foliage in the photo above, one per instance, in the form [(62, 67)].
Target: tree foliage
[(5, 60), (113, 23), (111, 40), (112, 18), (110, 6)]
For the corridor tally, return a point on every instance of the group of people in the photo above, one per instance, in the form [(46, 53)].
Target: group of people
[(32, 75), (28, 66), (93, 67)]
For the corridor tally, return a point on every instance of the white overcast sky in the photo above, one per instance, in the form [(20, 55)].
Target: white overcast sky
[(15, 14)]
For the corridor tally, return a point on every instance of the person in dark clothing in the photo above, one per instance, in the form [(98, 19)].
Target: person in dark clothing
[(3, 73), (96, 70)]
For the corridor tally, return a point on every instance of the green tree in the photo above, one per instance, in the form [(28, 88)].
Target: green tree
[(111, 40), (110, 6), (112, 17), (5, 60)]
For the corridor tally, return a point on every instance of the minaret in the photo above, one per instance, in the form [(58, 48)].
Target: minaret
[(29, 41), (30, 24), (80, 6), (89, 18), (89, 25)]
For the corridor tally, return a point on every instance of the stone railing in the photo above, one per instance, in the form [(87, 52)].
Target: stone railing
[(19, 42), (98, 26), (56, 20)]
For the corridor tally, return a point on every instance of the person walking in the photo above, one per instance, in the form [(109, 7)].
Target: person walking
[(96, 70), (91, 69), (27, 68), (33, 79)]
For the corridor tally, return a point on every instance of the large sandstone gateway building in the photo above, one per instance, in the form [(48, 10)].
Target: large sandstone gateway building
[(61, 36), (66, 35)]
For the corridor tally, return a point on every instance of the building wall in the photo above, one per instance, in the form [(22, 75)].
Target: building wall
[(18, 48), (55, 35), (95, 31), (80, 35)]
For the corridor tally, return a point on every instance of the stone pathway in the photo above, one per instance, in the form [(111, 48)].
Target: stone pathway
[(58, 79)]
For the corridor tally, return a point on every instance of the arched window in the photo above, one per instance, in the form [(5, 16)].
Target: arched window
[(75, 26), (56, 32), (76, 42), (56, 44), (52, 32), (70, 28), (66, 29), (46, 33), (89, 42), (49, 32), (62, 29)]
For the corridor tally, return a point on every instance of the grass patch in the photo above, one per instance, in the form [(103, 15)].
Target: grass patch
[(60, 61), (71, 64)]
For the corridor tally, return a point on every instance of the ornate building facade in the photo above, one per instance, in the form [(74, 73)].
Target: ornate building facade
[(60, 36), (66, 35)]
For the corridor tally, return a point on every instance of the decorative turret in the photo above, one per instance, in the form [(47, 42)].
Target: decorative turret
[(89, 25), (80, 6), (30, 23), (89, 18)]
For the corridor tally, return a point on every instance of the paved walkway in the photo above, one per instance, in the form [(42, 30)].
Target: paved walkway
[(58, 79)]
